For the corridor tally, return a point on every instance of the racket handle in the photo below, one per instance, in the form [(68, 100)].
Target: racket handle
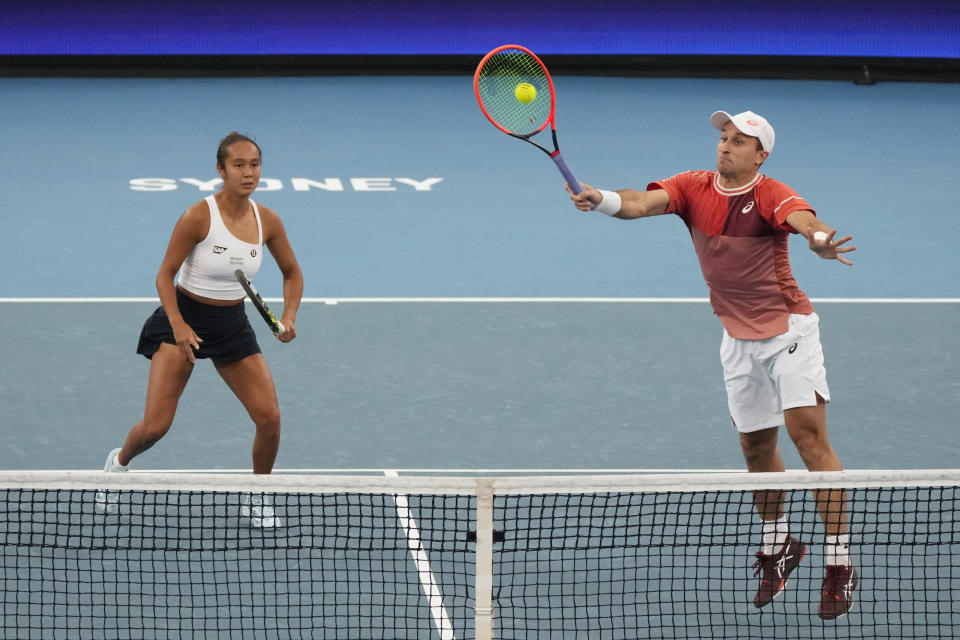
[(565, 170)]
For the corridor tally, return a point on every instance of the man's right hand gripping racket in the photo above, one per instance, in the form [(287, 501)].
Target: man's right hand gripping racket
[(516, 94)]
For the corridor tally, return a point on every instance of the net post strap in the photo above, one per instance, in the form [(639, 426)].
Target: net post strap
[(483, 613)]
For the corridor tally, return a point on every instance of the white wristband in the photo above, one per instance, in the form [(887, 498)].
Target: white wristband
[(610, 204)]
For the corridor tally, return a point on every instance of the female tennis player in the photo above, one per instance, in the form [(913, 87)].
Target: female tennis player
[(203, 315)]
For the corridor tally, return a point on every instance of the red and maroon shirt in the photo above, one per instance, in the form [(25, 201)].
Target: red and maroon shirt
[(741, 238)]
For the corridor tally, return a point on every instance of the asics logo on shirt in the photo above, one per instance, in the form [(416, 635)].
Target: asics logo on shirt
[(218, 250), (748, 208)]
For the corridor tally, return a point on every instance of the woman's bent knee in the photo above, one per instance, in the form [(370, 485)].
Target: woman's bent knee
[(267, 422)]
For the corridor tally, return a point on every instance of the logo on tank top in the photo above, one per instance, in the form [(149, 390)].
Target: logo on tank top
[(747, 208), (253, 253), (218, 250), (793, 348)]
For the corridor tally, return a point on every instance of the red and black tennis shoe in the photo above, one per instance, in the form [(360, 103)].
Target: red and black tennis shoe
[(775, 569), (837, 593)]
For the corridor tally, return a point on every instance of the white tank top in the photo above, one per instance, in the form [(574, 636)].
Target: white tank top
[(209, 269)]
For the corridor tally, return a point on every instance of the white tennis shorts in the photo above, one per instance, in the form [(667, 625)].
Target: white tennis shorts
[(764, 377)]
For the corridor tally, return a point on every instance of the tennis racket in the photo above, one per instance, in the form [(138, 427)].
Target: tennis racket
[(497, 85), (275, 325)]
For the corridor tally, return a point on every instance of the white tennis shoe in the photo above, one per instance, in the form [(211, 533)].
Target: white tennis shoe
[(108, 502), (113, 465)]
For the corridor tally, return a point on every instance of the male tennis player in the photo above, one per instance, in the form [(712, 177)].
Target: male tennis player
[(740, 222)]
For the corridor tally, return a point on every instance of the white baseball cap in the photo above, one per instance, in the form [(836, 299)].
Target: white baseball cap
[(749, 123)]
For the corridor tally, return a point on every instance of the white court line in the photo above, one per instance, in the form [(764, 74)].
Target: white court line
[(471, 472), (498, 300), (427, 580), (335, 301), (79, 300)]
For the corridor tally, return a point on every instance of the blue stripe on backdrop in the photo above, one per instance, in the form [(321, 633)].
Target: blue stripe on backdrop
[(725, 27), (876, 162)]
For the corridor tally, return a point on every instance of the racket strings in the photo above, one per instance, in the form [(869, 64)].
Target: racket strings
[(497, 81)]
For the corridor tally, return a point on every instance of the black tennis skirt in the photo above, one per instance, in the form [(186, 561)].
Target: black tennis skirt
[(226, 332)]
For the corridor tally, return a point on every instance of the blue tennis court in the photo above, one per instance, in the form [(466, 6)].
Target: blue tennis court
[(415, 230), (461, 316)]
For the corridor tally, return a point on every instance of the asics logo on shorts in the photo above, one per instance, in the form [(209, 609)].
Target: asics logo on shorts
[(218, 250), (748, 208)]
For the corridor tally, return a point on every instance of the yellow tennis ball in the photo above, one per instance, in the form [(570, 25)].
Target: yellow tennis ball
[(525, 92)]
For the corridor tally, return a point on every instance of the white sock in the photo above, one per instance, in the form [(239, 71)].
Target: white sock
[(838, 549), (775, 534)]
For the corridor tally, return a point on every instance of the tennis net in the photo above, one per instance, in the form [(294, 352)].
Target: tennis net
[(152, 555)]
